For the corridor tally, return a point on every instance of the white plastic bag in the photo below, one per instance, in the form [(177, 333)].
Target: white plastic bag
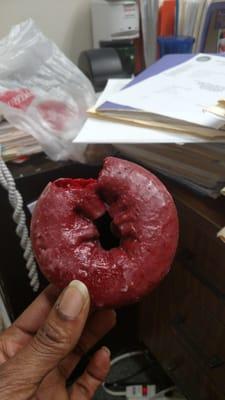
[(42, 92)]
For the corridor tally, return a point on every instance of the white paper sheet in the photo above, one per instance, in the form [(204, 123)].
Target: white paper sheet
[(182, 92), (99, 131), (112, 86)]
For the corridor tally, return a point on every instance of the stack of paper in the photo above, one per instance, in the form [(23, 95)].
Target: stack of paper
[(15, 143), (97, 130), (219, 109), (201, 167), (176, 100)]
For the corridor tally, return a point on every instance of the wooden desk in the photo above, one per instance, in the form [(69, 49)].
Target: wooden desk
[(183, 321)]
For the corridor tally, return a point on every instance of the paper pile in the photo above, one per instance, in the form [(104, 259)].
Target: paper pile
[(200, 167), (165, 103), (15, 143)]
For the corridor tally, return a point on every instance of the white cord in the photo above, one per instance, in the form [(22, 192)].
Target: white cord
[(16, 201), (123, 357), (115, 361), (161, 394)]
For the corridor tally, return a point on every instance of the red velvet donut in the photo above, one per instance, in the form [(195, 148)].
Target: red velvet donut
[(67, 243)]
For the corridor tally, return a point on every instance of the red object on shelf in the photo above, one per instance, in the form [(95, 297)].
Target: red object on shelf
[(166, 19)]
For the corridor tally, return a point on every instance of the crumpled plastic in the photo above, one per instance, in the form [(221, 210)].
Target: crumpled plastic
[(42, 92)]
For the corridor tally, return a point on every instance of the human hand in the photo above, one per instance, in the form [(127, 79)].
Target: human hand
[(43, 346)]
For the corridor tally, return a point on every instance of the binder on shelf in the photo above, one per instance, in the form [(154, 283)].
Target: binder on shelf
[(167, 18), (204, 20), (212, 26)]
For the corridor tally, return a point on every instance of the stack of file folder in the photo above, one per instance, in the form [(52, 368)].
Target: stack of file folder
[(15, 143), (176, 94), (200, 167)]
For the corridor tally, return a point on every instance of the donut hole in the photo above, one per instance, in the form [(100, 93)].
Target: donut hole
[(69, 183), (107, 236), (108, 196)]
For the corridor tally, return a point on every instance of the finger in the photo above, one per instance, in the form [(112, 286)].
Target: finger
[(98, 325), (35, 315), (53, 341), (94, 375), (23, 329), (56, 391)]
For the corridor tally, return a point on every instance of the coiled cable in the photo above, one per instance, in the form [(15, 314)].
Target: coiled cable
[(8, 183)]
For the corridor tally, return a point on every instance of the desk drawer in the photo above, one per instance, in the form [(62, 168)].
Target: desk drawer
[(201, 252), (177, 346), (184, 368), (183, 324), (189, 344), (203, 335)]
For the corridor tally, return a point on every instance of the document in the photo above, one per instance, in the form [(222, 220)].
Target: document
[(182, 93), (99, 131)]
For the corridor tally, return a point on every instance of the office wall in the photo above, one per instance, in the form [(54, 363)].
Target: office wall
[(67, 22)]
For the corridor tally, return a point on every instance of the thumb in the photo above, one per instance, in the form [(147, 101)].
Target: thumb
[(53, 341)]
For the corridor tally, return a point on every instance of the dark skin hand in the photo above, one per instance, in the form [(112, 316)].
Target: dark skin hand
[(43, 346)]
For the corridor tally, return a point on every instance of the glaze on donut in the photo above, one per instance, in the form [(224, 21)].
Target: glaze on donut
[(66, 238)]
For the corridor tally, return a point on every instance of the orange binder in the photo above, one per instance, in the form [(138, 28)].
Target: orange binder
[(166, 19)]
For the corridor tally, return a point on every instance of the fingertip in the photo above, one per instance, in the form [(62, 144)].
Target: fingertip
[(102, 358), (74, 299), (94, 375), (106, 351), (81, 287)]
